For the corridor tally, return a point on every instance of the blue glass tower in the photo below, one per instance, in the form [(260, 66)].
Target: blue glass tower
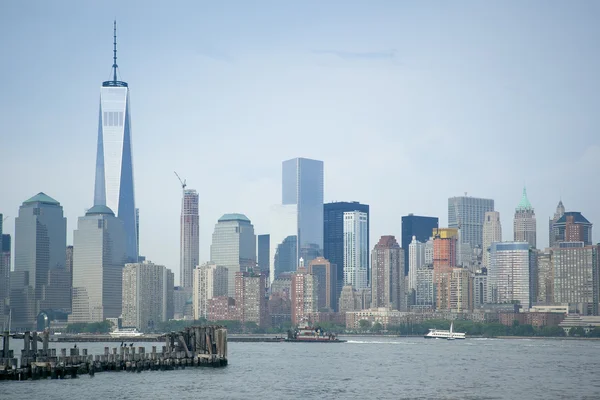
[(415, 225), (114, 165)]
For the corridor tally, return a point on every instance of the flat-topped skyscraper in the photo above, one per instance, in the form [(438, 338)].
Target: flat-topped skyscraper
[(114, 164)]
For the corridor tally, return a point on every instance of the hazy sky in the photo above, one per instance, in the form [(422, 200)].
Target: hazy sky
[(407, 103)]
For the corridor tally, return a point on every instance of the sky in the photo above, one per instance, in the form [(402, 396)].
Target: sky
[(407, 104)]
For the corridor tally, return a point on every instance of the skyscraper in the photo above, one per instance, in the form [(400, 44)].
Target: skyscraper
[(468, 214), (445, 246), (304, 294), (416, 259), (262, 253), (356, 252), (333, 235), (40, 242), (250, 299), (492, 232), (98, 260), (302, 185), (325, 273), (509, 272), (387, 283), (114, 159), (190, 237), (419, 227), (572, 227), (4, 277), (283, 240), (560, 210), (525, 225), (233, 246)]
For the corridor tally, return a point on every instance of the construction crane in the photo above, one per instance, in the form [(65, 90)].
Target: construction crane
[(183, 184), (5, 218)]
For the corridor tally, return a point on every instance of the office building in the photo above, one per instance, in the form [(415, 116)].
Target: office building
[(509, 272), (545, 292), (356, 252), (40, 242), (416, 259), (445, 247), (468, 214), (250, 299), (210, 280), (576, 269), (572, 227), (190, 237), (233, 246), (461, 291), (418, 226), (333, 234), (326, 275), (304, 295), (560, 211), (147, 292), (480, 289), (387, 283), (492, 232), (525, 225), (283, 240), (114, 158), (425, 288), (262, 253), (98, 259)]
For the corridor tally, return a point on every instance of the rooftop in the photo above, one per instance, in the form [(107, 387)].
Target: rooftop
[(524, 204), (577, 218), (43, 198), (100, 210), (233, 217)]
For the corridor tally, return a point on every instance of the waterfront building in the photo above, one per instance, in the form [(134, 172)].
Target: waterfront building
[(445, 246), (468, 214), (418, 226), (425, 288), (416, 259), (189, 251), (575, 273), (262, 253), (40, 242), (333, 235), (461, 291), (250, 298), (492, 232), (509, 272), (210, 280), (525, 226), (222, 308), (560, 211), (114, 158), (147, 294), (305, 295), (387, 284), (356, 252), (98, 260), (283, 240), (326, 275), (572, 227), (545, 292), (234, 246), (383, 316)]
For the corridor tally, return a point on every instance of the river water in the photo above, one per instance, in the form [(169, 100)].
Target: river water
[(362, 368)]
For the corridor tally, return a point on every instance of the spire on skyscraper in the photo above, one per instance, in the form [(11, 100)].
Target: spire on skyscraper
[(524, 204), (115, 66)]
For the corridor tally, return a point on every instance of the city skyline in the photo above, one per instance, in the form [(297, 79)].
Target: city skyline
[(320, 84)]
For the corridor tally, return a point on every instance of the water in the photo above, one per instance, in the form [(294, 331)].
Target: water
[(363, 368)]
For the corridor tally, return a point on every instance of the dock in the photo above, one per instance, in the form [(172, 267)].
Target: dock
[(198, 346)]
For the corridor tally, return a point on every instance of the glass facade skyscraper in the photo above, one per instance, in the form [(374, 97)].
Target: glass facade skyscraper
[(509, 272), (418, 226), (114, 163), (468, 214)]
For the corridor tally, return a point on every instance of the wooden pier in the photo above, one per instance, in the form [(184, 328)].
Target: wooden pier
[(198, 346)]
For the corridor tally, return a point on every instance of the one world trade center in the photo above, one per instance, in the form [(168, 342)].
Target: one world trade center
[(114, 165)]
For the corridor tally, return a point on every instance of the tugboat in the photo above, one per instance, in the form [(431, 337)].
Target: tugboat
[(309, 334)]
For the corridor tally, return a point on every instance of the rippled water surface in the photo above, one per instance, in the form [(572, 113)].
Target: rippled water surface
[(369, 368)]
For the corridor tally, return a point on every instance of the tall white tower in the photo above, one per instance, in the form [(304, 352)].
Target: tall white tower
[(492, 232), (356, 252)]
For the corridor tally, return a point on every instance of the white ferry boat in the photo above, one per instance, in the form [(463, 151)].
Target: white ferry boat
[(443, 334), (126, 332)]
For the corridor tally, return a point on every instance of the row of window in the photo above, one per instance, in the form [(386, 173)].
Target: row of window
[(113, 118)]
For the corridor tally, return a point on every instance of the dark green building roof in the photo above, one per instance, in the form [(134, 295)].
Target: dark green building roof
[(43, 198)]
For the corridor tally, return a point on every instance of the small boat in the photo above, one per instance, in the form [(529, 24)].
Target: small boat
[(443, 334), (306, 333), (126, 332)]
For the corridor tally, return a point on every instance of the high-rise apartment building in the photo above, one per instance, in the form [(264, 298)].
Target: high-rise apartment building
[(492, 232), (356, 252), (326, 275), (445, 246), (99, 256), (305, 296), (333, 235), (560, 211), (147, 293), (572, 227), (210, 280), (416, 259), (509, 272), (262, 253), (302, 186), (387, 283), (114, 158), (545, 272), (468, 214), (425, 288), (461, 291), (40, 242), (190, 237), (576, 269), (234, 247), (418, 226), (525, 225), (250, 299)]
